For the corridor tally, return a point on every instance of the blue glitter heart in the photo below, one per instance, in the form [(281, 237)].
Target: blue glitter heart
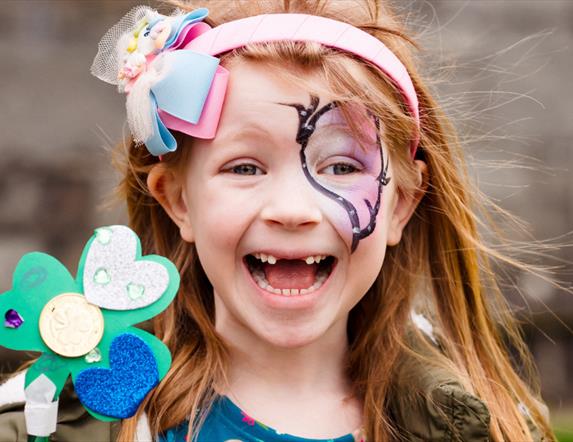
[(118, 391)]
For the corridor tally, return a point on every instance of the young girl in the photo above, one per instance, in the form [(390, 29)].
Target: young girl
[(316, 203)]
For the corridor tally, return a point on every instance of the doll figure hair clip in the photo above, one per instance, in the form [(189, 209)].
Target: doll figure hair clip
[(168, 66)]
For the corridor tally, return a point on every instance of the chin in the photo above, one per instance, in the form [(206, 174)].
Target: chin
[(290, 335)]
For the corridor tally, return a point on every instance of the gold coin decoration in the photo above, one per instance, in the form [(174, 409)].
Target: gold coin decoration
[(70, 326)]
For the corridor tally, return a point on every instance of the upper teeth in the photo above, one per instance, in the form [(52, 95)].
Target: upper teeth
[(273, 260)]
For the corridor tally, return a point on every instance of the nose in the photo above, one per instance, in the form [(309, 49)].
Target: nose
[(291, 202)]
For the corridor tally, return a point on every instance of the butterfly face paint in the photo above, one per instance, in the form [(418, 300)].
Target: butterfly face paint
[(326, 143)]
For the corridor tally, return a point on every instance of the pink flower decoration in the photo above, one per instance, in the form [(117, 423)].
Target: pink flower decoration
[(248, 419)]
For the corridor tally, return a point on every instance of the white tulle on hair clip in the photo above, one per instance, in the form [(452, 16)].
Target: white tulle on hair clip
[(138, 53)]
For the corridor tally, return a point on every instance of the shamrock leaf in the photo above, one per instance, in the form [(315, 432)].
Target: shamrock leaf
[(106, 347), (38, 278), (114, 275), (130, 287), (131, 362)]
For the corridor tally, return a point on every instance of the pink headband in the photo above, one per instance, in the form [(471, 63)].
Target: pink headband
[(169, 65)]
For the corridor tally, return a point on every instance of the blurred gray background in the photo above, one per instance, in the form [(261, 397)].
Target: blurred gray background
[(503, 70)]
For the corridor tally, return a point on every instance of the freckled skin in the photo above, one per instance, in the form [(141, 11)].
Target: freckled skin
[(308, 120)]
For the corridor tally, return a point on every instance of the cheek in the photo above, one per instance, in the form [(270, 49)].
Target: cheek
[(338, 218), (221, 216), (368, 259), (362, 195), (366, 266), (358, 195), (219, 223), (354, 209)]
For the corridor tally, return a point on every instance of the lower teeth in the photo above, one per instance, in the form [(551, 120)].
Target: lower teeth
[(261, 280)]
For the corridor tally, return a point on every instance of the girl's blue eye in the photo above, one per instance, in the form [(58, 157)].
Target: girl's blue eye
[(245, 169), (341, 169)]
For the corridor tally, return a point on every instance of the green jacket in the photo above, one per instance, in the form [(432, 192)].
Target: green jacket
[(446, 413)]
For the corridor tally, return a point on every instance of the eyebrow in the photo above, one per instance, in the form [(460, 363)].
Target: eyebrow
[(252, 128), (256, 131), (249, 129)]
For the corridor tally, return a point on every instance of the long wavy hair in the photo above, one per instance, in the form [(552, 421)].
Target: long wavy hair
[(441, 257)]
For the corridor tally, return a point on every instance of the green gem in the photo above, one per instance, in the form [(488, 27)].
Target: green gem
[(102, 277), (103, 235), (135, 291), (93, 356)]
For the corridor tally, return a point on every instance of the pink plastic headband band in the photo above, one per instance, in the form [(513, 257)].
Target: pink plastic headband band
[(302, 27)]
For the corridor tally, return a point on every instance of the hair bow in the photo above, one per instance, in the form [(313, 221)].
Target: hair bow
[(166, 87)]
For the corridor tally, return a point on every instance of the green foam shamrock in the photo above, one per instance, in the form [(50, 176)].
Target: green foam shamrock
[(76, 323)]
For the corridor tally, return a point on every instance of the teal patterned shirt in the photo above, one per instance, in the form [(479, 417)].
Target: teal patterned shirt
[(228, 423)]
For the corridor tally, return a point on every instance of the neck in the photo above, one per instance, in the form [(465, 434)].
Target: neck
[(258, 368), (297, 384)]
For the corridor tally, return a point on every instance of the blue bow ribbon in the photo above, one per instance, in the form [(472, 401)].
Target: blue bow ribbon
[(182, 93), (184, 88)]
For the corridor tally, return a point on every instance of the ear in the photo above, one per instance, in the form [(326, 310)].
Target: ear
[(405, 205), (166, 187)]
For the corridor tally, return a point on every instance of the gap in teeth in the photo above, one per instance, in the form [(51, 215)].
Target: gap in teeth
[(314, 259), (261, 280)]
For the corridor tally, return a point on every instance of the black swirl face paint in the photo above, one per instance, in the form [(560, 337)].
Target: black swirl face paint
[(349, 194)]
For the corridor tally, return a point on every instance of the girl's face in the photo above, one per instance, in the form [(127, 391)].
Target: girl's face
[(284, 178)]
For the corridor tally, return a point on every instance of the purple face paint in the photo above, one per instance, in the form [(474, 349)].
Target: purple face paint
[(12, 319), (325, 143)]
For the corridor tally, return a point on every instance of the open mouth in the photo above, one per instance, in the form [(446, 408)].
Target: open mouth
[(290, 277)]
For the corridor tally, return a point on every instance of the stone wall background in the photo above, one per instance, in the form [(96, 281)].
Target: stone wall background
[(504, 70)]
